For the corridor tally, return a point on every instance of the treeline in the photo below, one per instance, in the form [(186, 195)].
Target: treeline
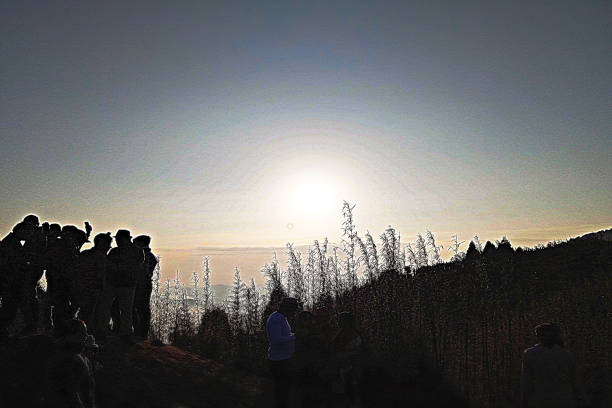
[(469, 318)]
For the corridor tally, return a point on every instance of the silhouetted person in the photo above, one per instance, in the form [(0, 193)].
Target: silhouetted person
[(144, 287), (304, 344), (91, 273), (310, 359), (139, 313), (323, 324), (13, 272), (70, 376), (347, 347), (548, 374), (52, 236), (281, 349), (34, 247), (60, 260), (55, 230), (124, 264)]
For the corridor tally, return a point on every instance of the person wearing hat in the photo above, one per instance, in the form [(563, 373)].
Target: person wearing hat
[(281, 349), (548, 372), (124, 264), (90, 275), (144, 287), (347, 349)]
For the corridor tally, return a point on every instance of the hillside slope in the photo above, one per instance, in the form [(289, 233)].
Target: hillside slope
[(136, 376), (150, 376)]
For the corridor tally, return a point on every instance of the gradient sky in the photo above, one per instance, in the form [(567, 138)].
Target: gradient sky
[(220, 123)]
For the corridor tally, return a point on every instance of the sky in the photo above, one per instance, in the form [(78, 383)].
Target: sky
[(228, 125)]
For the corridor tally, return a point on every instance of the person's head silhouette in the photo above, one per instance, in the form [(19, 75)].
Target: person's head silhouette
[(123, 237), (346, 320), (142, 241), (70, 234), (305, 320), (288, 306), (23, 230), (32, 219), (103, 242), (548, 334)]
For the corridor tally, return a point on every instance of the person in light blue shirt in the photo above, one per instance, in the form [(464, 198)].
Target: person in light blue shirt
[(282, 347)]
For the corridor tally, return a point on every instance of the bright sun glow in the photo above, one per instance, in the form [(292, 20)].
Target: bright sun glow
[(307, 200), (314, 196)]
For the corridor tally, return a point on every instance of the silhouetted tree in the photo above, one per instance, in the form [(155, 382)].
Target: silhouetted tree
[(372, 254), (348, 242), (322, 282), (215, 333), (435, 249), (391, 255), (195, 280), (295, 275), (251, 302), (477, 243), (422, 258), (207, 294), (489, 249), (455, 247), (236, 301), (472, 251), (338, 287)]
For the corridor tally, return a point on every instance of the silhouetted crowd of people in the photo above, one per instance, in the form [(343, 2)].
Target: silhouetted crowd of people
[(90, 294), (96, 285)]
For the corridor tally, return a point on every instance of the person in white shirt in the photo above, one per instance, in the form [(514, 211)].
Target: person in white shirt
[(281, 350), (548, 373)]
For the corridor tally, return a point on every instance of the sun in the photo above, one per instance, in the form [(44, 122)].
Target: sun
[(313, 195), (305, 198)]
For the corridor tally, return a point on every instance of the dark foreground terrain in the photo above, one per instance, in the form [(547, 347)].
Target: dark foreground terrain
[(145, 375), (134, 376)]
